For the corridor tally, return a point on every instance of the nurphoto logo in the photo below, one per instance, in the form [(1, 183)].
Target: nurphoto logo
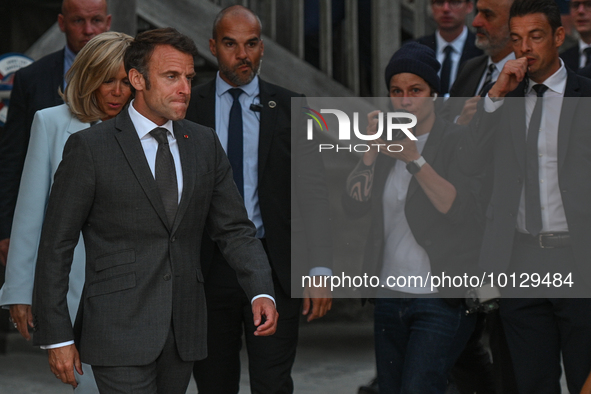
[(397, 126)]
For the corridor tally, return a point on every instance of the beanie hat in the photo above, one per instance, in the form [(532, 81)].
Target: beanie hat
[(416, 59)]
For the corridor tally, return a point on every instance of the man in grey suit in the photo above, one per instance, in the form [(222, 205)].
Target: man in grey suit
[(143, 187)]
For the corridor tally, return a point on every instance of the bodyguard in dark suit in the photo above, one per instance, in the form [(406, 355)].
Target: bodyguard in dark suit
[(143, 188), (538, 219), (492, 36), (452, 42), (35, 88), (275, 171)]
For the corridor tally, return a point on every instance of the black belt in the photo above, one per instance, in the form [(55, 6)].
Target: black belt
[(545, 240)]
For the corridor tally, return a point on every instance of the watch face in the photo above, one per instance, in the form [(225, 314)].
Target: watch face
[(412, 167)]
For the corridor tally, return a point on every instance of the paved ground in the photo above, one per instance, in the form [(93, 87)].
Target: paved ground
[(333, 358)]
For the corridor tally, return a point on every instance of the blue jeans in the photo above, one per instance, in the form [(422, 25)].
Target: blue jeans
[(417, 342)]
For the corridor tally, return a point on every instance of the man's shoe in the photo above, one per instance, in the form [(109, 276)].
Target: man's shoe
[(370, 388)]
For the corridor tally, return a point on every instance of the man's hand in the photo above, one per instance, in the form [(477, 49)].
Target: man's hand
[(510, 76), (62, 361), (4, 250), (321, 300), (470, 107), (23, 318), (263, 306)]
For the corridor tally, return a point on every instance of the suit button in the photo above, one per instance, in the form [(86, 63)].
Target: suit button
[(173, 239), (167, 277)]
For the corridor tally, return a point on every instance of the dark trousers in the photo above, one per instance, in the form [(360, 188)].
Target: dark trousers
[(417, 342), (168, 374), (541, 329), (474, 372), (270, 359)]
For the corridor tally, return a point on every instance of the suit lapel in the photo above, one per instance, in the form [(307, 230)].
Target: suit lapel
[(188, 163), (475, 76), (518, 129), (267, 126), (205, 101), (429, 153), (567, 113), (134, 153), (57, 77), (75, 125)]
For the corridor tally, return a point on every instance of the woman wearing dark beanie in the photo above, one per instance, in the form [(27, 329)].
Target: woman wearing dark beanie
[(424, 224)]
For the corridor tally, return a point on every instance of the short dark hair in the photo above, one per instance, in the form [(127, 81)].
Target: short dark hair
[(546, 7), (140, 51)]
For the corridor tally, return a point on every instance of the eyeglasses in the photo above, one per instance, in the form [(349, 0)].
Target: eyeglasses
[(453, 4), (576, 4)]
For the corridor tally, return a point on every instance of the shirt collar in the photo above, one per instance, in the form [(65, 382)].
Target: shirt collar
[(583, 45), (144, 125), (69, 56), (555, 82), (501, 63), (250, 89), (457, 44)]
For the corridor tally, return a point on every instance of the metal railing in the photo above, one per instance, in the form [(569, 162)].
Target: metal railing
[(344, 58)]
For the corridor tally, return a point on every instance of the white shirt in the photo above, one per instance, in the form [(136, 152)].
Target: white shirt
[(403, 256), (553, 216), (456, 54)]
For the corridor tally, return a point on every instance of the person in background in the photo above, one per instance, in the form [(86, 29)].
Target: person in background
[(534, 128), (97, 89), (280, 176), (452, 42), (579, 55), (36, 87), (424, 221)]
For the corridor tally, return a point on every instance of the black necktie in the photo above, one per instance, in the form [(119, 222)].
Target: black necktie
[(488, 78), (533, 209), (587, 52), (165, 174), (235, 140), (446, 70)]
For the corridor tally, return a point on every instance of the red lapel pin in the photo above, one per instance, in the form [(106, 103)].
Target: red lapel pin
[(186, 136)]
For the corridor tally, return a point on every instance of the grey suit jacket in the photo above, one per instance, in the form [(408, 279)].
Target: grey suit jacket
[(142, 275)]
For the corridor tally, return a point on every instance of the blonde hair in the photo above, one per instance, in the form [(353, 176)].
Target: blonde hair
[(99, 61)]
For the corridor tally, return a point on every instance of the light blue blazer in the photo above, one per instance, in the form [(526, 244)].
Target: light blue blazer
[(49, 132)]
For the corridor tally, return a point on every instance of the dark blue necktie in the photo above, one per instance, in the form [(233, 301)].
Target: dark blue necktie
[(446, 70), (533, 208), (235, 140)]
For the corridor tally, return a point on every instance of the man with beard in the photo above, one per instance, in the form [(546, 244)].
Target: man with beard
[(253, 121), (492, 36), (452, 42)]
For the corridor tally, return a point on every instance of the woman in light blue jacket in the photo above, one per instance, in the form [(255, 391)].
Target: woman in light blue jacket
[(97, 90)]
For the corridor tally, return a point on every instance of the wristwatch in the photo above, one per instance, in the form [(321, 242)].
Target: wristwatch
[(415, 166)]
